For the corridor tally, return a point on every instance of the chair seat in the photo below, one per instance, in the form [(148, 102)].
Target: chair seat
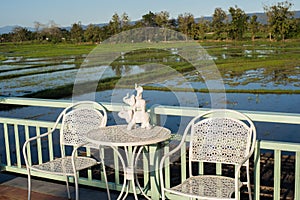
[(64, 165), (206, 186)]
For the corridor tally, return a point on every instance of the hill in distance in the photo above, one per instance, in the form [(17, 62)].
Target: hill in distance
[(261, 17)]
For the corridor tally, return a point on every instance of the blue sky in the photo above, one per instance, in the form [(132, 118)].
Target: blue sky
[(67, 12)]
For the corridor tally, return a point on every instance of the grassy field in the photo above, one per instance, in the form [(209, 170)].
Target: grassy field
[(230, 57), (32, 50), (282, 51)]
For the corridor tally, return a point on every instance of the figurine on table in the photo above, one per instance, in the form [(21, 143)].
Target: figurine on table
[(137, 113)]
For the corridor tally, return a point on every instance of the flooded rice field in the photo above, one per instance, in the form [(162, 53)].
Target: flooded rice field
[(18, 79), (250, 79), (20, 76)]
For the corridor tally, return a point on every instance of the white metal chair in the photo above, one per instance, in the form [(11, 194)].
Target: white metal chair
[(76, 120), (217, 136)]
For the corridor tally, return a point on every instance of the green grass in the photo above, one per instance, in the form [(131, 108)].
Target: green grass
[(253, 91), (2, 57), (31, 50)]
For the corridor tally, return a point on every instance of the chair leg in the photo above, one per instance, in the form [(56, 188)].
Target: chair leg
[(248, 183), (237, 190), (29, 184), (101, 156), (106, 182), (76, 186), (162, 196), (68, 188)]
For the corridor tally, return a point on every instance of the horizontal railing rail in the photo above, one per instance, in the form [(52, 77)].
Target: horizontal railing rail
[(15, 131)]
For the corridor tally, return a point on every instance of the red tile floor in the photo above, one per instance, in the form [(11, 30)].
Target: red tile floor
[(13, 193)]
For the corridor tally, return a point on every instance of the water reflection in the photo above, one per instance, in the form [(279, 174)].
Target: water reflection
[(250, 79)]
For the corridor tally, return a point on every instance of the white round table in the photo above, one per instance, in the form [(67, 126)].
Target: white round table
[(118, 136)]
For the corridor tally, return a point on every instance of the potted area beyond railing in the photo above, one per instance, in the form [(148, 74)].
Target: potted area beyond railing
[(275, 166)]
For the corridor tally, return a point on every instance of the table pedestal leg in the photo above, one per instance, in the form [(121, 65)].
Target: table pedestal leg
[(129, 170), (130, 179), (137, 181)]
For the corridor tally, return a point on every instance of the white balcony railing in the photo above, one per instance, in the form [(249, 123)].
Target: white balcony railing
[(14, 131)]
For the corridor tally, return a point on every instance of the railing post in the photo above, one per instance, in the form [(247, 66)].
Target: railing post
[(154, 118), (277, 173), (18, 147), (154, 159), (7, 144), (297, 175)]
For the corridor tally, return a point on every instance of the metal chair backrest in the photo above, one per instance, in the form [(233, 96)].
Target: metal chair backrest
[(221, 136), (79, 119)]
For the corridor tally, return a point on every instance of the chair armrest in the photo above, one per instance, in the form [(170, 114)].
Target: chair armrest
[(161, 164), (246, 158), (77, 147), (55, 126), (74, 154), (27, 142)]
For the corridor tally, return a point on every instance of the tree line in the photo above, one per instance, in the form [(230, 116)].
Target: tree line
[(232, 25)]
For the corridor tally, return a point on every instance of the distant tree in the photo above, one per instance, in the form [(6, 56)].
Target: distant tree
[(138, 24), (114, 24), (20, 34), (202, 27), (186, 23), (238, 24), (148, 20), (125, 22), (89, 33), (253, 26), (105, 32), (65, 34), (296, 32), (280, 20), (173, 24), (38, 26), (51, 32), (38, 29), (92, 33), (162, 20), (76, 32), (6, 37), (218, 24)]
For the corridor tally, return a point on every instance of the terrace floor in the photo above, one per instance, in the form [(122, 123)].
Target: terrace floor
[(14, 187)]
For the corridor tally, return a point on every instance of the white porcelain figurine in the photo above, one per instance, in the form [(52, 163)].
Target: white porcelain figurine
[(137, 113)]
